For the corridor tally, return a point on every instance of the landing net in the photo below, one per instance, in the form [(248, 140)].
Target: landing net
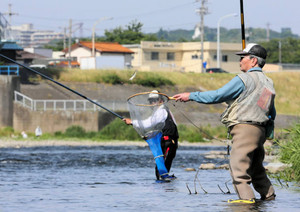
[(148, 112)]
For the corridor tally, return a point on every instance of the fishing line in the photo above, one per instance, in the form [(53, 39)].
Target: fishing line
[(199, 128), (210, 137), (62, 85), (205, 133)]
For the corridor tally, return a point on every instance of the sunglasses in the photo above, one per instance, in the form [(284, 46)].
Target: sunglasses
[(246, 56), (243, 57)]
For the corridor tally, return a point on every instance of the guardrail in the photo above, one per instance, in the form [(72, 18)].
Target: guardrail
[(64, 105), (9, 70)]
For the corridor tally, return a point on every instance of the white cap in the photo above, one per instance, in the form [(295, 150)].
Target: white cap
[(154, 94), (254, 49)]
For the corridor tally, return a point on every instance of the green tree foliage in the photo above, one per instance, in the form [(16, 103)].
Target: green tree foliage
[(226, 35), (132, 34), (55, 45), (290, 50)]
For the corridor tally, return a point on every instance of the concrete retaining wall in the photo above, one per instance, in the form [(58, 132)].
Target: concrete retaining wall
[(27, 120), (8, 84)]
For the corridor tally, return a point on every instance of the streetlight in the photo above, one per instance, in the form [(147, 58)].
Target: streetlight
[(218, 37), (93, 34)]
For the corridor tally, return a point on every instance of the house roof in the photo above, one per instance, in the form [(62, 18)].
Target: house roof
[(9, 45), (104, 47), (21, 55)]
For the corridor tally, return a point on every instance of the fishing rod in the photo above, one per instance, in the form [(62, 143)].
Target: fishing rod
[(62, 85), (242, 24)]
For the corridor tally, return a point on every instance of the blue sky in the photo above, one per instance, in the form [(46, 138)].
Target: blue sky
[(155, 14)]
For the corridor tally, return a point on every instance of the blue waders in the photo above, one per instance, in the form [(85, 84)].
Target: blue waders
[(155, 146)]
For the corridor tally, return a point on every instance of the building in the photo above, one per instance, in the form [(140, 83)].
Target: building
[(185, 56), (9, 49), (107, 55), (26, 36)]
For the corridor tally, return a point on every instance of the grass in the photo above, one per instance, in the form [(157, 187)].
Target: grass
[(287, 99), (289, 153), (118, 130)]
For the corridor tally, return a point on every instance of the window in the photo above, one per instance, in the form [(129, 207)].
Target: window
[(170, 56), (154, 55), (194, 57), (224, 58)]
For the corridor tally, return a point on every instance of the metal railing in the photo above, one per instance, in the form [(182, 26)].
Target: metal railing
[(9, 70), (63, 105)]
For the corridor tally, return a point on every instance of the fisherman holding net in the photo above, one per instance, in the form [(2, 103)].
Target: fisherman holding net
[(152, 119)]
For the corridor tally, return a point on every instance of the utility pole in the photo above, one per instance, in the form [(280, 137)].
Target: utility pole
[(202, 11), (268, 32), (279, 53), (10, 14), (65, 37), (93, 33), (70, 41)]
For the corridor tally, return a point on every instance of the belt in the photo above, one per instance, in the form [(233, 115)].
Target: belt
[(255, 123)]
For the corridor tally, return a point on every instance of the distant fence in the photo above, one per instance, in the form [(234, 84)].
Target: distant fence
[(9, 70), (71, 105), (287, 66)]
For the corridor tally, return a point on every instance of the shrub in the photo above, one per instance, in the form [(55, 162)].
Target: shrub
[(289, 153), (118, 130), (6, 131), (111, 78), (75, 131), (153, 81), (189, 133)]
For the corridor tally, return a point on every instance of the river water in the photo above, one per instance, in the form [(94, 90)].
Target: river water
[(119, 178)]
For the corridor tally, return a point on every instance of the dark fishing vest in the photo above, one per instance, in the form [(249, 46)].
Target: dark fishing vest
[(170, 128)]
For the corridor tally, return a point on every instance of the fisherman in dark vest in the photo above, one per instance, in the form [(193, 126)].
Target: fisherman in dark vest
[(169, 140)]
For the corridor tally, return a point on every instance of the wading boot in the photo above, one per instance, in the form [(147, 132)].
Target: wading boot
[(242, 201)]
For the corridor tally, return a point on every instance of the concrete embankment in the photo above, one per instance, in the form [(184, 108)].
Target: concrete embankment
[(23, 119), (8, 84)]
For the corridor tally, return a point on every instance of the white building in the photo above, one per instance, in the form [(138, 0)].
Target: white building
[(107, 55), (26, 36)]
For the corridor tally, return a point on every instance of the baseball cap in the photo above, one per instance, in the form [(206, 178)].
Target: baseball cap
[(255, 50)]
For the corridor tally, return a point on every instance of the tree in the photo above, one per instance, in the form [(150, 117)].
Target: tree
[(290, 50), (131, 35), (55, 45)]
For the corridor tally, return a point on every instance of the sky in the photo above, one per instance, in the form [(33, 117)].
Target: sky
[(155, 14)]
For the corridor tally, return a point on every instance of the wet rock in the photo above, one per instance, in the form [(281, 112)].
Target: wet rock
[(276, 167), (224, 166), (216, 155), (190, 169), (207, 166), (270, 158)]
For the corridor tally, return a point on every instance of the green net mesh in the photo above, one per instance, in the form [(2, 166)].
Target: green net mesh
[(148, 112)]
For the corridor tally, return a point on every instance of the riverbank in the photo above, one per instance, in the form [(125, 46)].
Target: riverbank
[(11, 143)]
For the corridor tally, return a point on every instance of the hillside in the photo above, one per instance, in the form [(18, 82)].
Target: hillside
[(226, 35)]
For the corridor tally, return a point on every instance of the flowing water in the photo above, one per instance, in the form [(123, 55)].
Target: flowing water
[(110, 178)]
